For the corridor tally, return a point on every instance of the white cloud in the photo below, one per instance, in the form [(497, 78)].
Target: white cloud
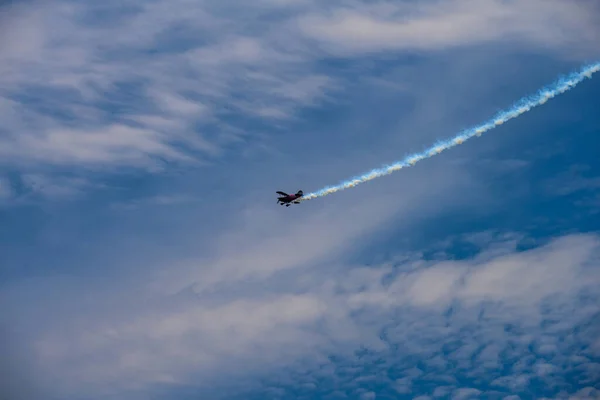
[(466, 393), (71, 72), (436, 25), (118, 144), (510, 278), (434, 284), (175, 68), (319, 316)]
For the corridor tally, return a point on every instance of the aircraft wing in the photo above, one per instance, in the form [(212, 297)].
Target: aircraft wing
[(282, 193)]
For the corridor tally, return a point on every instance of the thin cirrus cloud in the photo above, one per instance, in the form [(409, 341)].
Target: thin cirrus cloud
[(434, 25), (165, 73)]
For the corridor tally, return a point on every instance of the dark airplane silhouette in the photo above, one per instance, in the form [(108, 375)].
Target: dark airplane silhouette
[(288, 199)]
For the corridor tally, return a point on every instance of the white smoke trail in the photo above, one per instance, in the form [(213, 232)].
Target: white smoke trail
[(562, 85)]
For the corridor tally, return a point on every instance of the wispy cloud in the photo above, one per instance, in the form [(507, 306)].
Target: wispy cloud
[(573, 181), (127, 84), (139, 83), (6, 190), (50, 187), (358, 27)]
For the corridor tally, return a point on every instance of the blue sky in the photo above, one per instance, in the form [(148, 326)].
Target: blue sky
[(143, 254)]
